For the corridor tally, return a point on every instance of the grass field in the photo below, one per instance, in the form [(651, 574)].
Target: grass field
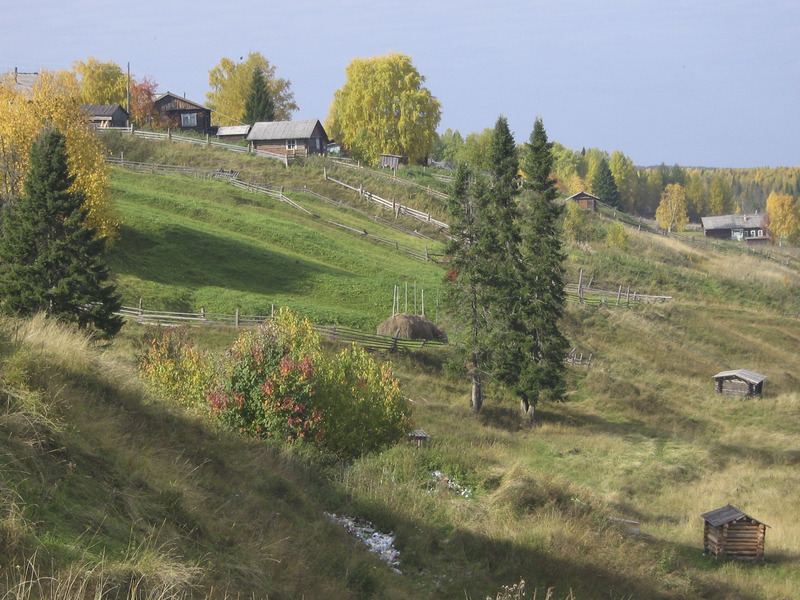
[(104, 485)]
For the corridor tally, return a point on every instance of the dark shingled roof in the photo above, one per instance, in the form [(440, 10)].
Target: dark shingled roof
[(101, 110), (726, 514)]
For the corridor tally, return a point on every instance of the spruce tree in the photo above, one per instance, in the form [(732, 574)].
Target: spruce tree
[(258, 106), (544, 347), (50, 261), (605, 187), (466, 278)]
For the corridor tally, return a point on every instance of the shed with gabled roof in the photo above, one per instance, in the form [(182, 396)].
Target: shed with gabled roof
[(740, 382), (585, 200), (289, 138), (233, 133), (728, 531), (106, 115)]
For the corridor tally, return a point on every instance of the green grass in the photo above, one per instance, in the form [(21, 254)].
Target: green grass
[(103, 483), (187, 244)]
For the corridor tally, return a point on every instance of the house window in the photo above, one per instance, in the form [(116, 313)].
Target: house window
[(291, 144), (760, 233), (189, 120)]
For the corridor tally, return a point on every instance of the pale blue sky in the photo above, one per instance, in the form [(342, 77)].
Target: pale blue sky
[(695, 82)]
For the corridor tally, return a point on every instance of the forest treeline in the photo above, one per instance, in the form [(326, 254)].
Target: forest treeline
[(709, 191)]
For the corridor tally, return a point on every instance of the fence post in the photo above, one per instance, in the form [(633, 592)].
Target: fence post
[(202, 313), (324, 173), (427, 256), (140, 307), (580, 290), (619, 293), (237, 317)]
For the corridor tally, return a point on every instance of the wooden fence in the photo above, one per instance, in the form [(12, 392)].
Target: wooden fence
[(396, 207), (393, 177), (337, 333), (277, 194), (588, 293), (168, 135), (705, 242), (573, 358)]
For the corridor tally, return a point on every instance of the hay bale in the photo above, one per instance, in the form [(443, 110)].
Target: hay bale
[(411, 327)]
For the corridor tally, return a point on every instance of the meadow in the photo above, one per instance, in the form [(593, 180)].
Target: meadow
[(105, 486)]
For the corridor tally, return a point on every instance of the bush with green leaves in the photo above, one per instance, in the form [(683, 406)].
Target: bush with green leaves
[(276, 382), (173, 367)]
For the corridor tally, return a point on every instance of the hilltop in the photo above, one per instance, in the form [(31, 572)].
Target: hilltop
[(104, 482)]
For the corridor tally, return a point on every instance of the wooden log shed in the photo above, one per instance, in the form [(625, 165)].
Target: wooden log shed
[(740, 382), (730, 532)]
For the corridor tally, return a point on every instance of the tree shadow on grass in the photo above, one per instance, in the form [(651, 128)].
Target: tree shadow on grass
[(178, 256)]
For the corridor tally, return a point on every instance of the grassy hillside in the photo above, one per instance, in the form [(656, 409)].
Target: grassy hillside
[(103, 483), (188, 243)]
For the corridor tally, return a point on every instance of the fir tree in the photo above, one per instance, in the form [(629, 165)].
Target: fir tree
[(530, 348), (604, 186), (258, 106), (50, 261), (466, 278)]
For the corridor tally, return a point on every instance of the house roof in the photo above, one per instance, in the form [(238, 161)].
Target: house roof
[(732, 221), (102, 110), (234, 130), (582, 195), (23, 82), (284, 130), (743, 374), (726, 514), (181, 98)]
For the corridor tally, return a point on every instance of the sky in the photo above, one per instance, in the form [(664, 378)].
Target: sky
[(699, 83)]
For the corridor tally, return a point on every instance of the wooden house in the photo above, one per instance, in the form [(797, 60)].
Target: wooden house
[(289, 138), (585, 201), (750, 228), (183, 114), (740, 382), (233, 133), (390, 161), (729, 532), (106, 115)]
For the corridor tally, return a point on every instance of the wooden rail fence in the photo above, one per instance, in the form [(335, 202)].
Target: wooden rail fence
[(277, 194), (396, 207), (337, 333), (586, 293), (168, 135)]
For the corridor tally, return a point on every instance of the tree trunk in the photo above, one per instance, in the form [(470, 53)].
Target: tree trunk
[(476, 399)]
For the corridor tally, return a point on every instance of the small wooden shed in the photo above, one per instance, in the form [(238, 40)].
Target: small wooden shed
[(390, 161), (233, 133), (740, 382), (730, 532), (106, 115), (585, 201)]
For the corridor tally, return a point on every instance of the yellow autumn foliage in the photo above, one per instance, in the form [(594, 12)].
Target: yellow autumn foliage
[(23, 116)]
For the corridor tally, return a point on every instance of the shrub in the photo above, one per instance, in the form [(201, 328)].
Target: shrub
[(173, 367), (617, 236), (363, 409), (276, 382)]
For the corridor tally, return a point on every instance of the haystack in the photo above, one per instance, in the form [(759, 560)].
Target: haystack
[(411, 327)]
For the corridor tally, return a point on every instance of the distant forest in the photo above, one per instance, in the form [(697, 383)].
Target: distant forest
[(708, 191)]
